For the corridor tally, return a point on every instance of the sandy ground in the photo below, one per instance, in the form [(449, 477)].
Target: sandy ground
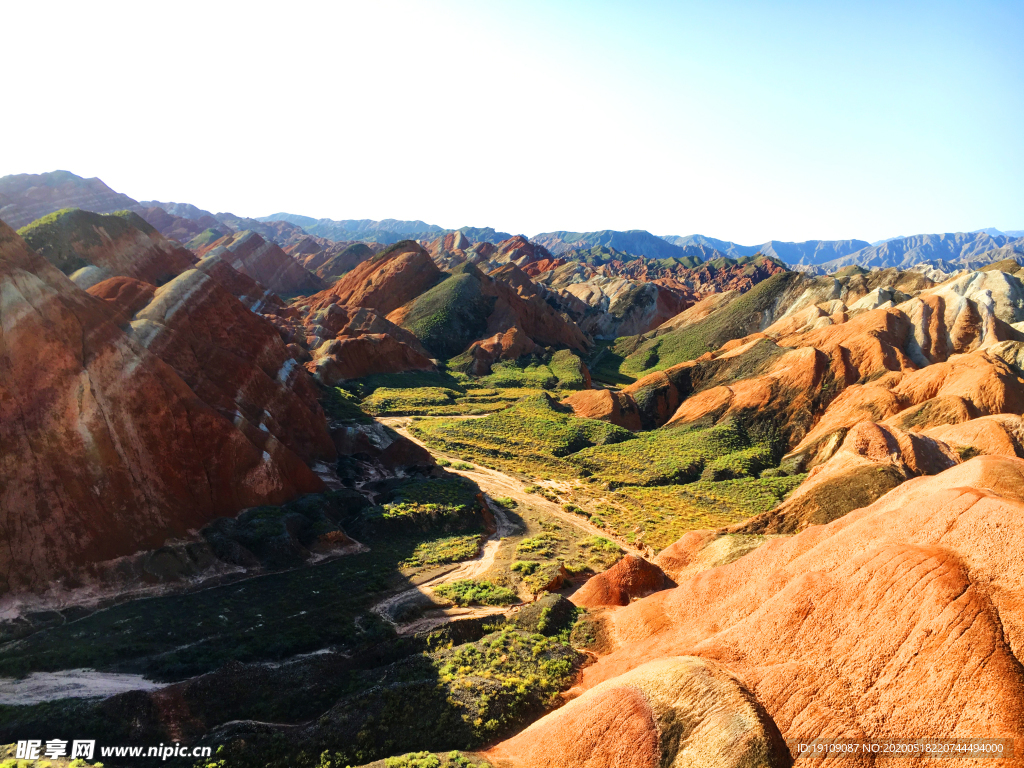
[(69, 684)]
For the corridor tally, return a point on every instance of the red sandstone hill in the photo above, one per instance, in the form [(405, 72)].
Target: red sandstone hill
[(107, 448), (821, 367), (713, 276), (330, 260), (235, 361), (264, 262), (177, 227), (396, 310), (480, 318), (384, 282), (92, 247), (345, 328), (601, 303), (898, 620)]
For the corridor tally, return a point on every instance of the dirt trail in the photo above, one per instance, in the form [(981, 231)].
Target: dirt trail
[(468, 569), (495, 484)]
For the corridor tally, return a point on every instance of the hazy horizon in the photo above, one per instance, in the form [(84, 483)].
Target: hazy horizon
[(738, 121)]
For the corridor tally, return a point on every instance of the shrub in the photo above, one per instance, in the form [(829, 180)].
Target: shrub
[(601, 544), (663, 456), (569, 370), (534, 433), (471, 592), (413, 760), (407, 402), (540, 546), (449, 549), (341, 405)]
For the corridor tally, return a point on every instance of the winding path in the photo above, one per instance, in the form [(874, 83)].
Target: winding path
[(467, 569), (495, 484)]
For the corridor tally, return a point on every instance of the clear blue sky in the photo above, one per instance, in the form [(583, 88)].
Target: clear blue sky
[(740, 120)]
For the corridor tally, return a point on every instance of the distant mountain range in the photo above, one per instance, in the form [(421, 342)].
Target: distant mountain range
[(636, 241), (26, 197), (794, 254), (386, 231), (950, 251), (1014, 233)]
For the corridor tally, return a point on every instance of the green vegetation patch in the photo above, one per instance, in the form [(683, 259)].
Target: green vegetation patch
[(564, 370), (454, 759), (472, 592), (537, 546), (642, 355), (409, 380), (463, 696), (9, 759), (342, 406), (65, 237), (448, 549), (422, 522), (432, 503), (533, 435), (452, 393), (451, 315), (606, 363), (411, 402), (408, 402), (204, 238), (569, 369), (664, 456), (664, 513), (526, 372)]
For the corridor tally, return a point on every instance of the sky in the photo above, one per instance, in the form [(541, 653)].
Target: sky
[(746, 121)]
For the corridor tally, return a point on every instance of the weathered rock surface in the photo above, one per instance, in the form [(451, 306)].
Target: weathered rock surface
[(900, 618), (676, 712), (872, 460), (383, 283), (630, 578), (605, 405), (106, 449), (124, 294), (118, 244), (352, 357), (241, 286), (176, 227), (336, 321), (235, 361), (330, 261), (699, 551), (266, 263), (1002, 434)]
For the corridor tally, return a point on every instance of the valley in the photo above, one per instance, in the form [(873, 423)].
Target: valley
[(321, 493)]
